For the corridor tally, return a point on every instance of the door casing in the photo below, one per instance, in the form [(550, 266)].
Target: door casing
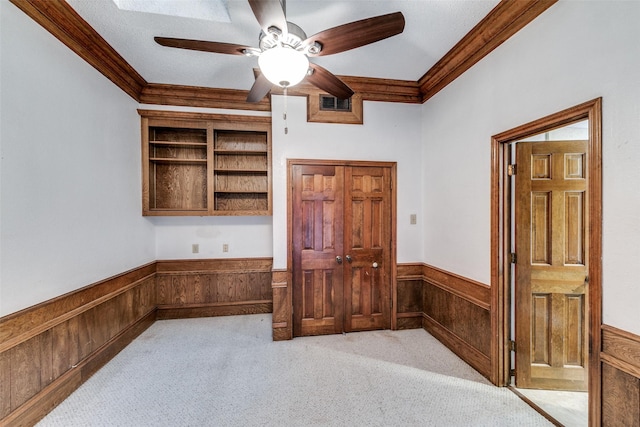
[(392, 246), (501, 244)]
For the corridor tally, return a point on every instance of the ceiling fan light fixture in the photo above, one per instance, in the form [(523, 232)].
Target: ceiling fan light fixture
[(283, 66)]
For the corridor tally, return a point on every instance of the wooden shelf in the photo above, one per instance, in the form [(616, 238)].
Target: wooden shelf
[(179, 143), (244, 153), (240, 192), (174, 160), (205, 164), (252, 171)]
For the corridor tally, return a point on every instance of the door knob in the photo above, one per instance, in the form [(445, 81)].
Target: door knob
[(348, 257), (339, 259), (375, 265)]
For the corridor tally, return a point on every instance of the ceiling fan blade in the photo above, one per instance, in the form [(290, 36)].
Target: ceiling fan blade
[(215, 47), (358, 33), (269, 13), (327, 81), (260, 88)]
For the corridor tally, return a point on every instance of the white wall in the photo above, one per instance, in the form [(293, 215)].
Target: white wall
[(70, 170), (245, 237), (574, 52), (391, 132)]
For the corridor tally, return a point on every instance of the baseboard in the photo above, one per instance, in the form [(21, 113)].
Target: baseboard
[(479, 361), (214, 309), (620, 358), (409, 320)]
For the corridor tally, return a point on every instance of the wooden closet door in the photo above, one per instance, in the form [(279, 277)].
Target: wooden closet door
[(367, 237), (318, 304)]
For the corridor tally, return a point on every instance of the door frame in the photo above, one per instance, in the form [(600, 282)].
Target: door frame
[(392, 246), (501, 241)]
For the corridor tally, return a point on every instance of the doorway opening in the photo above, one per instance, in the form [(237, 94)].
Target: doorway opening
[(546, 255)]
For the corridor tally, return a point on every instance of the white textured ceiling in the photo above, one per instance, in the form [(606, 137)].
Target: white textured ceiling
[(432, 28)]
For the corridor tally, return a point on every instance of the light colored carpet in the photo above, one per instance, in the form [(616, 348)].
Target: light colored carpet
[(569, 408), (226, 371)]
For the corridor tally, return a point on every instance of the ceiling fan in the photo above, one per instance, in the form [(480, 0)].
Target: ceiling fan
[(284, 48)]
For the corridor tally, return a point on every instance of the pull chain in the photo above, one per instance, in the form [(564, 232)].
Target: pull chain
[(284, 115)]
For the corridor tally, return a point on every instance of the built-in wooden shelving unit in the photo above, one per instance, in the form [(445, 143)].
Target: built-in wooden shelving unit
[(205, 164)]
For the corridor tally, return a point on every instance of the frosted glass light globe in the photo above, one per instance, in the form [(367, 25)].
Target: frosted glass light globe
[(283, 66)]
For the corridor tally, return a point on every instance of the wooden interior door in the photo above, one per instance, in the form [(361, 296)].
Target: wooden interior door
[(317, 211), (551, 213), (367, 236), (341, 248)]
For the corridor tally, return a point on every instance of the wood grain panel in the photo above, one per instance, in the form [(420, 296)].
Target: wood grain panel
[(459, 317), (52, 395), (622, 349), (541, 166), (574, 166), (459, 346), (409, 302), (282, 305), (574, 330), (367, 88), (5, 384), (574, 237), (620, 377), (540, 228), (457, 312), (475, 292), (65, 347), (193, 96), (215, 287), (541, 329), (410, 298), (25, 371), (46, 343), (620, 398)]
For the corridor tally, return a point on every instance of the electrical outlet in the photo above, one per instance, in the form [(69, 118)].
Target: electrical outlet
[(195, 248), (413, 219), (225, 247)]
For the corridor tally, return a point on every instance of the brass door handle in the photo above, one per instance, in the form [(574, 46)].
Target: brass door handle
[(339, 259), (348, 257)]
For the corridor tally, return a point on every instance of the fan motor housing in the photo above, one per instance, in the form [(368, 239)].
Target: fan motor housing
[(294, 38)]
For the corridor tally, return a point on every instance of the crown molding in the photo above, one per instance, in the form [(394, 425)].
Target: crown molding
[(506, 19), (370, 89), (194, 96), (64, 23)]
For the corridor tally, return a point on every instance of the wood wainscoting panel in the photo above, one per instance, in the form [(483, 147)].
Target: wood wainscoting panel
[(282, 305), (48, 350), (213, 287), (620, 359), (408, 308), (457, 312)]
